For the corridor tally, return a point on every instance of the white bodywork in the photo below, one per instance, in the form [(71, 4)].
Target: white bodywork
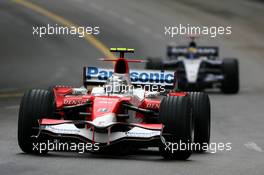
[(192, 67)]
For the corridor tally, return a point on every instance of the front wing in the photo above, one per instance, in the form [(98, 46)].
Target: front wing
[(95, 133)]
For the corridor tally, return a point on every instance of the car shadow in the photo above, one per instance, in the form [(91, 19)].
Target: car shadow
[(140, 155)]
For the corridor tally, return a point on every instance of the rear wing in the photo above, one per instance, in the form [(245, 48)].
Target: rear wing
[(93, 76), (206, 51)]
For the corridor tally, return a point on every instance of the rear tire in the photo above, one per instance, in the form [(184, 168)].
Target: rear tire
[(175, 115), (202, 120), (230, 84), (154, 63), (34, 105)]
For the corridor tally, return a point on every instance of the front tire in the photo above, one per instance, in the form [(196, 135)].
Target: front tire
[(230, 68), (176, 117), (202, 120), (34, 105)]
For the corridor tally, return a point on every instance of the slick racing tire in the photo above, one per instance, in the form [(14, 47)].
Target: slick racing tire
[(202, 120), (154, 63), (230, 68), (177, 134), (34, 105)]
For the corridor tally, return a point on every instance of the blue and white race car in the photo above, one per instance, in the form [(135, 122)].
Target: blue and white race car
[(199, 68)]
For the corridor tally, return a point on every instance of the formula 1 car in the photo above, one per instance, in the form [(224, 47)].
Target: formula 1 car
[(199, 68), (118, 116)]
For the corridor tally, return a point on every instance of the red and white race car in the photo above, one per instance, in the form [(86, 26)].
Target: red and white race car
[(121, 115)]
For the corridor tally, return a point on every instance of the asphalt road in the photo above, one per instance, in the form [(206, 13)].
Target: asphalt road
[(28, 61)]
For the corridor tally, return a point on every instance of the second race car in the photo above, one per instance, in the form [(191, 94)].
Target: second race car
[(199, 68)]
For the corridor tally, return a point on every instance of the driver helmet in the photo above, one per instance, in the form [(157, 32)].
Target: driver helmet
[(116, 84), (192, 50)]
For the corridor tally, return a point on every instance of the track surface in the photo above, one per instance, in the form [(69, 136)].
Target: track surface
[(28, 61)]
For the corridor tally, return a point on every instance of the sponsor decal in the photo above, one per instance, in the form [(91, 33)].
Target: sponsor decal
[(199, 51), (141, 132), (64, 129), (166, 78), (74, 101), (153, 105)]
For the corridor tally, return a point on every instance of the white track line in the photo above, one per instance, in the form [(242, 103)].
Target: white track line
[(128, 20), (253, 146), (145, 29), (95, 6), (113, 13), (158, 37)]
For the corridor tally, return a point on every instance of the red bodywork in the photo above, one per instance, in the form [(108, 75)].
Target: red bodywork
[(110, 103), (102, 105)]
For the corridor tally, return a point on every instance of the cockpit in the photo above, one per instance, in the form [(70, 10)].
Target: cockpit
[(117, 84), (192, 51)]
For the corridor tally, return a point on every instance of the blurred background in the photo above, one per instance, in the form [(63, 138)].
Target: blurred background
[(28, 61)]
